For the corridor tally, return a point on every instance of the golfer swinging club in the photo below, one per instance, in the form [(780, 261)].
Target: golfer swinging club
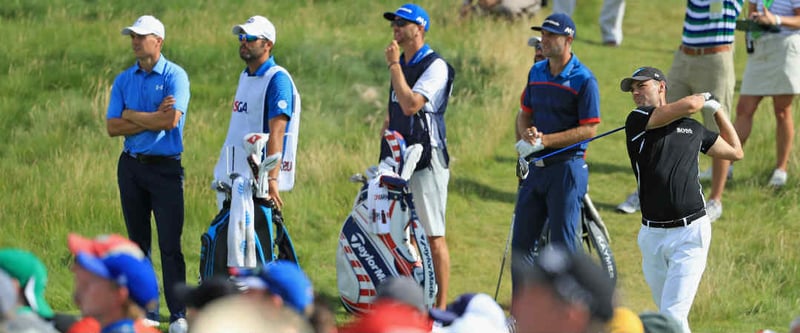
[(662, 145)]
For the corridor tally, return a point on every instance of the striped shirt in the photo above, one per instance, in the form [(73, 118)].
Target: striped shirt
[(710, 22), (780, 8)]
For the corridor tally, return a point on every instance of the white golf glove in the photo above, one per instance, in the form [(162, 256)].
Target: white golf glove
[(711, 105), (524, 148)]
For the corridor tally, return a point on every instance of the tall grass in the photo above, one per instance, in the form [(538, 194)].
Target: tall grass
[(59, 58)]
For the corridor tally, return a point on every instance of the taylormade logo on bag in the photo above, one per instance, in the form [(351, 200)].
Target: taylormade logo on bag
[(356, 243)]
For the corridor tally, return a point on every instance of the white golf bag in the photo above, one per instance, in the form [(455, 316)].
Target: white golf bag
[(376, 239)]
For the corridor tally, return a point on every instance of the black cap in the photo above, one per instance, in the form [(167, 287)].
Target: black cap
[(209, 290), (574, 277), (642, 74)]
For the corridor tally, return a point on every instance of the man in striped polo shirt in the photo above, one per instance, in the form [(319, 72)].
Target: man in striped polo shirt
[(704, 63)]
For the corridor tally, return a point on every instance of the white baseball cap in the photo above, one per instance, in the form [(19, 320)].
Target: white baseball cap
[(257, 26), (146, 25)]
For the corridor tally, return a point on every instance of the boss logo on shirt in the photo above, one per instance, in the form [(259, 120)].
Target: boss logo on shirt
[(681, 130), (239, 106)]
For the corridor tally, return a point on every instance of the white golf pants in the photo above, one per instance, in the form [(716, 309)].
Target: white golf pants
[(673, 261)]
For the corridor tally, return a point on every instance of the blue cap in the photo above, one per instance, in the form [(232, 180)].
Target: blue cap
[(410, 12), (118, 259), (285, 279), (559, 24)]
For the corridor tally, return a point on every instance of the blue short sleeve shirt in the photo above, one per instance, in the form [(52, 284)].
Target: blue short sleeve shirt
[(135, 89)]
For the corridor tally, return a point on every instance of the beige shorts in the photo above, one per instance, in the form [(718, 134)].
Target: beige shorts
[(694, 74), (429, 188), (774, 66)]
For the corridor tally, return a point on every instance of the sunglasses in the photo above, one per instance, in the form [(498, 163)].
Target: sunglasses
[(248, 38), (400, 23)]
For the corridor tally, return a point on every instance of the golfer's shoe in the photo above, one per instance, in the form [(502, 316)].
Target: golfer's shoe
[(631, 204), (150, 323), (179, 326), (707, 173), (778, 178), (713, 210)]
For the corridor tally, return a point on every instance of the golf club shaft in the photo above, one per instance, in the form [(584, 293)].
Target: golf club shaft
[(574, 145), (505, 254)]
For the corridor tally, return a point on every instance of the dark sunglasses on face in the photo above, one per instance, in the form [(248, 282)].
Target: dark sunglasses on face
[(249, 38), (400, 22)]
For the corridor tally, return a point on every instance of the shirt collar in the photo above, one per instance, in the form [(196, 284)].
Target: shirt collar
[(263, 68), (158, 68), (124, 325), (421, 53)]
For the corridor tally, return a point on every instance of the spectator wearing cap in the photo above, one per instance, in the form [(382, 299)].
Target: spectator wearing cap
[(283, 283), (148, 107), (663, 143), (560, 107), (536, 43), (398, 307), (29, 281), (266, 101), (196, 298), (561, 291), (421, 82), (10, 319), (471, 313), (114, 281)]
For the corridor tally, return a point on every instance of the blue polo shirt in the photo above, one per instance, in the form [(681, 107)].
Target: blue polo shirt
[(561, 102), (280, 96), (135, 89)]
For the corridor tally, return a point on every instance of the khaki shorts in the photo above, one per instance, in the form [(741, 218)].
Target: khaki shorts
[(694, 74), (429, 188), (774, 66)]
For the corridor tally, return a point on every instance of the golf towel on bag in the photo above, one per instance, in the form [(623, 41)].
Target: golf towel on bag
[(271, 239), (366, 256), (241, 230)]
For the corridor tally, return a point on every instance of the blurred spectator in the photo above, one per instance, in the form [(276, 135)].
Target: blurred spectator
[(794, 327), (624, 321), (322, 320), (114, 282), (561, 292), (471, 313), (24, 303), (399, 307), (610, 18), (536, 43), (509, 9), (198, 297), (283, 283), (238, 313), (656, 322)]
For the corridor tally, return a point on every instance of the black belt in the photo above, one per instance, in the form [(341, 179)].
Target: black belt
[(545, 162), (152, 159), (681, 222)]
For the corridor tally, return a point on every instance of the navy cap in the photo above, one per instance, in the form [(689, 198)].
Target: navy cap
[(410, 12), (642, 74), (559, 24)]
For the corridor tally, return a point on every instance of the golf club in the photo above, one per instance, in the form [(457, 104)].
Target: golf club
[(534, 160), (505, 254)]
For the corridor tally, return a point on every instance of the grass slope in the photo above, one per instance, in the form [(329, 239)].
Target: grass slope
[(59, 58)]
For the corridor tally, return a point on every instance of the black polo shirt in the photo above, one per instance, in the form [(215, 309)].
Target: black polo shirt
[(664, 161)]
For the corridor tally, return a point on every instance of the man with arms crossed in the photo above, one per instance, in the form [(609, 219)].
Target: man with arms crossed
[(148, 106), (560, 106), (420, 88), (662, 145)]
